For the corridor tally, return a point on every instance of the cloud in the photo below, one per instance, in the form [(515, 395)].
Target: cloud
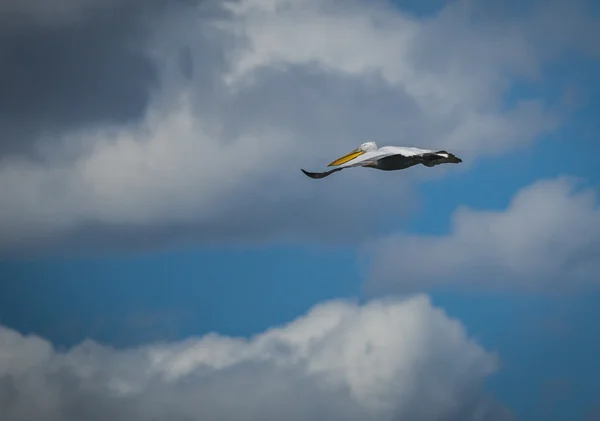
[(39, 12), (77, 64), (392, 359), (198, 130), (548, 239), (455, 83)]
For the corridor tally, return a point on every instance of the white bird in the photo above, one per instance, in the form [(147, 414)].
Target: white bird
[(387, 158)]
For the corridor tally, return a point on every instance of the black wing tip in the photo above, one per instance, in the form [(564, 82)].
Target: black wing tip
[(310, 174), (318, 175)]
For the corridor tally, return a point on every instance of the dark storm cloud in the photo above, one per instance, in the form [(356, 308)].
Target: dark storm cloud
[(79, 66)]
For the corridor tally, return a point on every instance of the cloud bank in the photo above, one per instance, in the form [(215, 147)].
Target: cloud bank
[(387, 360), (192, 121), (547, 239)]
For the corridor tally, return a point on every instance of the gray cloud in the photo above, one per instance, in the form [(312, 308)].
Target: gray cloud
[(224, 102), (548, 239), (387, 360), (60, 12), (77, 64)]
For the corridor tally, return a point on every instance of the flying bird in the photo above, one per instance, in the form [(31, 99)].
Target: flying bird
[(387, 158)]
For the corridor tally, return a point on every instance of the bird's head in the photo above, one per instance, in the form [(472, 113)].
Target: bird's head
[(365, 147)]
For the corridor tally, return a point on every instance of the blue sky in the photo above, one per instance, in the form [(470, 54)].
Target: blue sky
[(171, 267)]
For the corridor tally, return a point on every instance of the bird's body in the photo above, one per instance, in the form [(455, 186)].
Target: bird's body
[(387, 158)]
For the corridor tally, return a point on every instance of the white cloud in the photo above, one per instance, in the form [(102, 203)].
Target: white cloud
[(453, 69), (548, 239), (383, 360), (301, 32), (267, 88)]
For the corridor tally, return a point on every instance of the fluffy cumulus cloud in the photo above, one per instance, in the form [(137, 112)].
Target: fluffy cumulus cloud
[(386, 360), (548, 239), (192, 120)]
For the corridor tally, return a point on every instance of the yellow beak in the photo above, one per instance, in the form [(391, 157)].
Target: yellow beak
[(349, 156)]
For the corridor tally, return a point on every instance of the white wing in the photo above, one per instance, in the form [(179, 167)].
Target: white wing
[(366, 158), (382, 152), (404, 151)]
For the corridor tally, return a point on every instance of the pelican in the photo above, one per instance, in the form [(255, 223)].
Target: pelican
[(387, 158)]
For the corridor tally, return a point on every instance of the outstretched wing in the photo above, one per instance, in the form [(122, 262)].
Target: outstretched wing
[(428, 157), (406, 151), (360, 161), (367, 158)]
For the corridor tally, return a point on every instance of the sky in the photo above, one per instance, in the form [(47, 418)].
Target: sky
[(163, 257)]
